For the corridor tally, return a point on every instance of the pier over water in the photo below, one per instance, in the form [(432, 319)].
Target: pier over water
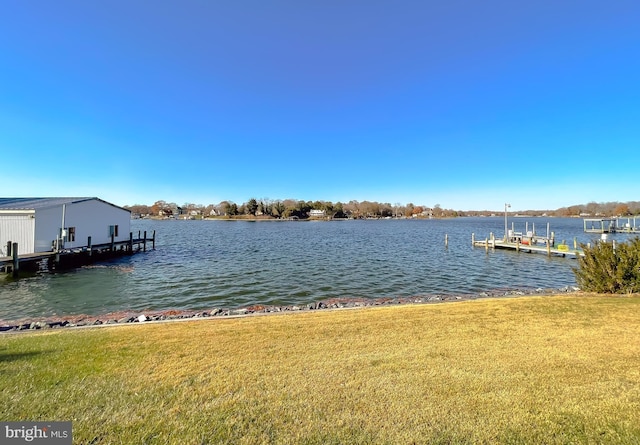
[(611, 225)]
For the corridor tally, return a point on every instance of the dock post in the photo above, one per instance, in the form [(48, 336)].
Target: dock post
[(89, 246), (153, 241), (144, 241), (486, 244), (517, 245), (130, 242), (446, 240), (575, 242), (548, 247), (113, 244), (16, 260), (9, 244), (473, 240)]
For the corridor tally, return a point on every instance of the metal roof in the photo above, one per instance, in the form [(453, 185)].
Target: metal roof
[(41, 203)]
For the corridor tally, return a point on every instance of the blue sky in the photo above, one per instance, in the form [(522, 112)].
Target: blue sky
[(464, 104)]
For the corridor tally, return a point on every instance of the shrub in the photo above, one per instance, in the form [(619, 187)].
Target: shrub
[(606, 268)]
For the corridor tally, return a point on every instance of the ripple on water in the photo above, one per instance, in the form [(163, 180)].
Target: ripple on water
[(204, 264)]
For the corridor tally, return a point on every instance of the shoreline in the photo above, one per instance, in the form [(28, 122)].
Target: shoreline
[(131, 317)]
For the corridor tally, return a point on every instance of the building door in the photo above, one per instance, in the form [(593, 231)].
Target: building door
[(17, 228)]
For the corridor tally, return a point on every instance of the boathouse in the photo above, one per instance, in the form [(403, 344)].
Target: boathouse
[(56, 224)]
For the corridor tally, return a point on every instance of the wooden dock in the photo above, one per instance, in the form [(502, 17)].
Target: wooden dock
[(74, 257), (531, 245), (610, 225)]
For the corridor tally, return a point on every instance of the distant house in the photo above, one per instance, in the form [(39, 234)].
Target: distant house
[(427, 213), (313, 213), (47, 224)]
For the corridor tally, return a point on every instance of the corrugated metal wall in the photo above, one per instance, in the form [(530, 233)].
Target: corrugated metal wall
[(90, 218), (17, 229)]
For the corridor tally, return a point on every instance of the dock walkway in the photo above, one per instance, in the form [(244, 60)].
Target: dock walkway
[(77, 255), (611, 225), (540, 245)]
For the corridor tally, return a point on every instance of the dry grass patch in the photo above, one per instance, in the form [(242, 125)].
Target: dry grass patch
[(527, 370)]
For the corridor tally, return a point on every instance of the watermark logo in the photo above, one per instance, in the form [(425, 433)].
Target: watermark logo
[(44, 433)]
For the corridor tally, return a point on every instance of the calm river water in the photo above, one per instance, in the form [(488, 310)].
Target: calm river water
[(229, 264)]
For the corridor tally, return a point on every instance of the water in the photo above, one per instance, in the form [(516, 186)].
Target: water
[(229, 264)]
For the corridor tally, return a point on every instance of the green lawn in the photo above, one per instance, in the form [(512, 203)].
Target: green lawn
[(562, 369)]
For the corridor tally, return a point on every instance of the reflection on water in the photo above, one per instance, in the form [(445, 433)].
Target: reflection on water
[(206, 264)]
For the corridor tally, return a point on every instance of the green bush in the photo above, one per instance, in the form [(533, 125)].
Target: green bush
[(610, 269)]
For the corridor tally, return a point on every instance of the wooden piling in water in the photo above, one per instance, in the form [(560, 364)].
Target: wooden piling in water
[(16, 259), (446, 240), (473, 240), (57, 258), (144, 242), (153, 241)]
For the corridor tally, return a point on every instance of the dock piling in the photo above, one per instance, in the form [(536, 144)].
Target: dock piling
[(446, 240), (529, 242), (10, 263), (144, 241), (16, 260)]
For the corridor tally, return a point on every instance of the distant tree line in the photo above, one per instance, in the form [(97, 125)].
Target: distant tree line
[(290, 208), (606, 209), (265, 208)]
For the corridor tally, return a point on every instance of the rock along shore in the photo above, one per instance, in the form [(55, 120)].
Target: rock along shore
[(126, 317)]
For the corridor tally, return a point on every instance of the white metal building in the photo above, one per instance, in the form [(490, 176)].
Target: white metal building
[(47, 224)]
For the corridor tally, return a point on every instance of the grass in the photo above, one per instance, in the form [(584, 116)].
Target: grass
[(562, 369)]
